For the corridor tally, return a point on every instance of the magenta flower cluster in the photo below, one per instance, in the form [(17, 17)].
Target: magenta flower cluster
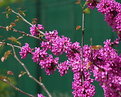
[(40, 95), (34, 29), (25, 50), (88, 63), (62, 45), (103, 63), (111, 10), (92, 3)]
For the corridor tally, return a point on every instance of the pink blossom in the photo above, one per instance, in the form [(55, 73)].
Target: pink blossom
[(39, 54), (92, 3), (40, 95), (63, 68), (49, 64), (25, 50), (34, 29)]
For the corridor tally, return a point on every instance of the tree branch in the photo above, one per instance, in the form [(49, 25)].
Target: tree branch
[(10, 45), (25, 20), (22, 17), (17, 89), (22, 32), (82, 40), (83, 29), (28, 73)]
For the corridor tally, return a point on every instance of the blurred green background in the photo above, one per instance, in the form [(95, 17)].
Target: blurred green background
[(62, 15)]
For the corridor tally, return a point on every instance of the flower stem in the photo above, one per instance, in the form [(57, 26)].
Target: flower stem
[(82, 40)]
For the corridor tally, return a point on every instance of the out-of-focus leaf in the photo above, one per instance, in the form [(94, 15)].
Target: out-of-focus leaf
[(15, 40), (10, 79), (7, 2), (86, 10), (2, 44), (34, 21), (10, 73), (19, 18), (78, 27), (5, 89), (78, 2), (89, 1), (3, 77), (8, 11), (6, 55), (13, 24), (22, 12)]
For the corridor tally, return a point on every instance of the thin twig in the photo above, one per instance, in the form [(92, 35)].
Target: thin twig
[(10, 45), (28, 73), (16, 88), (25, 20), (82, 40), (83, 29), (22, 32), (22, 17)]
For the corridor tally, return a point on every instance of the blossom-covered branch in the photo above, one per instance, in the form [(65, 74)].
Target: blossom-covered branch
[(28, 73), (85, 61), (102, 61), (111, 10)]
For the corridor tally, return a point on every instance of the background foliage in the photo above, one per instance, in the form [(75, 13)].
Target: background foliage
[(53, 14)]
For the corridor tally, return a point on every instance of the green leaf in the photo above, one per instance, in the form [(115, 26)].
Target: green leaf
[(78, 27), (78, 2), (13, 39), (86, 10), (6, 55), (7, 2), (5, 89)]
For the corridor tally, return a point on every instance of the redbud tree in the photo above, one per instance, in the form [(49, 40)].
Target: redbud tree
[(88, 63)]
